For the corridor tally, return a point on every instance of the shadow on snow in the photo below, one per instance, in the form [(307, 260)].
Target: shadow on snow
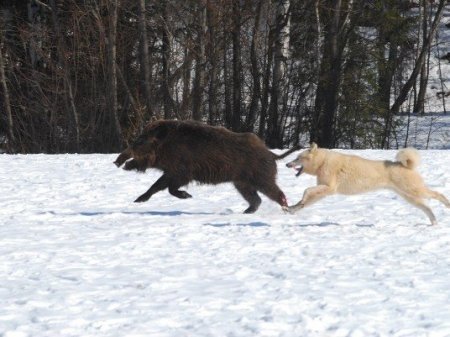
[(154, 213), (250, 224)]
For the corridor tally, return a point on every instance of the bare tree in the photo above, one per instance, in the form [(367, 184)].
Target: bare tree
[(226, 79), (237, 66), (281, 36), (266, 86), (256, 73), (441, 78), (7, 102), (74, 120), (424, 70), (387, 66), (85, 75), (212, 22), (165, 58), (111, 48), (401, 98), (198, 88), (337, 25), (186, 97), (145, 59)]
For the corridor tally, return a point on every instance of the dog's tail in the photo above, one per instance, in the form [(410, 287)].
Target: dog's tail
[(287, 153), (408, 157)]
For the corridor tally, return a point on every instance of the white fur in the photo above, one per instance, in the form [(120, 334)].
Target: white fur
[(409, 158), (339, 173)]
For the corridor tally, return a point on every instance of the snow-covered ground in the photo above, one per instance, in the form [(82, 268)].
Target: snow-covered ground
[(431, 131), (79, 258)]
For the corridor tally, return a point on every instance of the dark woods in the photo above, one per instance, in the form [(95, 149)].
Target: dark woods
[(86, 76)]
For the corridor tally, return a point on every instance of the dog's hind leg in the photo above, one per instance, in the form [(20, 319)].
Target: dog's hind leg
[(419, 203), (310, 196), (439, 196), (249, 193)]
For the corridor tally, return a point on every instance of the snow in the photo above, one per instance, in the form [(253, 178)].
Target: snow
[(431, 131), (79, 258)]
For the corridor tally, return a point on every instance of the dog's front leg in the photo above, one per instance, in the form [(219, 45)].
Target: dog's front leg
[(310, 196)]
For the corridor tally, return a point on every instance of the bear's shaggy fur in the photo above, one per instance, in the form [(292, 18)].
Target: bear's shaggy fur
[(189, 151)]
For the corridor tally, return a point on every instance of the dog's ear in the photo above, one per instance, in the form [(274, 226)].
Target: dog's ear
[(313, 148)]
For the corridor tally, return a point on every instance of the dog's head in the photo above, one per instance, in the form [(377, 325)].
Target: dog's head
[(306, 161), (147, 143)]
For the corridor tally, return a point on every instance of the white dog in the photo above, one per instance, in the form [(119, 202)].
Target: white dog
[(346, 174)]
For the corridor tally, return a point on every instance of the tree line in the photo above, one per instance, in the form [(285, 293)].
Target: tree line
[(87, 75)]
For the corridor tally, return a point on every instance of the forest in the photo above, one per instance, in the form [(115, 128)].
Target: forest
[(86, 76)]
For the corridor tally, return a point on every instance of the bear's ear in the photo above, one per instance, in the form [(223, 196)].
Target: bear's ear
[(161, 131), (313, 148)]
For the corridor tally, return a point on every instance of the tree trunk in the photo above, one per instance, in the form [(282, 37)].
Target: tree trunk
[(404, 91), (441, 78), (185, 104), (197, 97), (274, 138), (226, 79), (256, 75), (33, 10), (165, 51), (73, 115), (386, 71), (237, 67), (6, 98), (266, 88), (134, 105), (326, 102), (318, 27), (419, 106), (145, 63), (213, 80), (111, 47)]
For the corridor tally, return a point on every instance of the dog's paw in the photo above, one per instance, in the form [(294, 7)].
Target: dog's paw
[(287, 209)]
